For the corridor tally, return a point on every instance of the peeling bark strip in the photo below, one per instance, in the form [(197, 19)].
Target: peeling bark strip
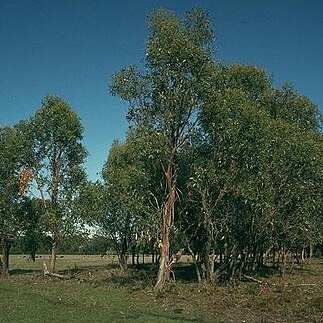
[(53, 255), (168, 217)]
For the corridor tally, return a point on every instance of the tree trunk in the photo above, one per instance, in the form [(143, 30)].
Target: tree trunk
[(311, 251), (164, 270), (33, 256), (6, 244), (207, 208), (124, 251), (207, 267), (133, 255), (53, 255), (123, 260), (168, 216), (207, 274)]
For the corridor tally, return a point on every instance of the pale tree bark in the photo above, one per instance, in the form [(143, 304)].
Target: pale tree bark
[(168, 216), (123, 256), (53, 254), (54, 201)]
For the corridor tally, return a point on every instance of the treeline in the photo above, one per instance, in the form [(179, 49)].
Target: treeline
[(75, 244), (218, 163)]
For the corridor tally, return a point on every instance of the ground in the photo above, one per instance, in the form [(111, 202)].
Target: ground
[(98, 291)]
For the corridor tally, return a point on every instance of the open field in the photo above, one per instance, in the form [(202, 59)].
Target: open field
[(66, 262), (99, 291)]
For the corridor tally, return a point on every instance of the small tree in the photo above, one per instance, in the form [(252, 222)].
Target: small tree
[(125, 187)]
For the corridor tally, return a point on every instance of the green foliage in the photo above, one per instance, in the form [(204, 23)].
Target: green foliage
[(10, 165), (243, 157), (31, 226), (126, 214), (54, 154), (266, 166)]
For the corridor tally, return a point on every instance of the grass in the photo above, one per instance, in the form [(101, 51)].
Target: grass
[(100, 292)]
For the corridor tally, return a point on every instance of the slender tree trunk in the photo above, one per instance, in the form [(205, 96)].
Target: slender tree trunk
[(164, 270), (207, 274), (207, 228), (123, 260), (133, 255), (33, 256), (56, 158), (123, 257), (168, 215), (53, 254), (6, 244)]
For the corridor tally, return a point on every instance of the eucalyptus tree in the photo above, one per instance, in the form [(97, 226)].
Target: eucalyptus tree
[(53, 137), (165, 99)]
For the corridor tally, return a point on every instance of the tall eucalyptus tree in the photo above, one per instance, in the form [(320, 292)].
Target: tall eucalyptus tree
[(165, 98)]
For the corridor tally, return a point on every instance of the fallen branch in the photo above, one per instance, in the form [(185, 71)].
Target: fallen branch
[(48, 273), (253, 279), (304, 285)]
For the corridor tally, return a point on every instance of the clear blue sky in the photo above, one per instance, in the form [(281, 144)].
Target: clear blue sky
[(70, 48)]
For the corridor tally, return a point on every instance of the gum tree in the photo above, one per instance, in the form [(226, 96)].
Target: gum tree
[(55, 157), (165, 99)]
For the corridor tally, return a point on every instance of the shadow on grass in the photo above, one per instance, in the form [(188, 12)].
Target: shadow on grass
[(22, 271), (146, 274), (171, 315)]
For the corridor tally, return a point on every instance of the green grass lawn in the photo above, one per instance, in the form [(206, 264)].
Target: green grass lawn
[(57, 301), (100, 292)]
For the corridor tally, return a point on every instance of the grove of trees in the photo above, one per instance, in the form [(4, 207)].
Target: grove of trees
[(218, 163)]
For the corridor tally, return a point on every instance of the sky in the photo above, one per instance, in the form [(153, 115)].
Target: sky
[(71, 49)]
